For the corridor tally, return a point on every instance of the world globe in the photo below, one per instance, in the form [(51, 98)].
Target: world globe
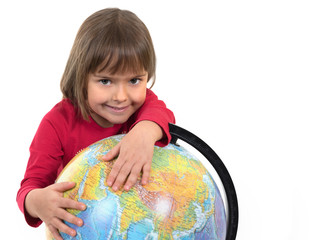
[(181, 200)]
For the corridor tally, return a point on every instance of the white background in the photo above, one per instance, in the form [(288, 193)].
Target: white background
[(242, 75)]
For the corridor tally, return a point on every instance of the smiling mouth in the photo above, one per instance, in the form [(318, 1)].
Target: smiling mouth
[(117, 109)]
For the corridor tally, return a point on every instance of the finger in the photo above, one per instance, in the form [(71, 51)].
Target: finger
[(66, 216), (145, 174), (63, 227), (121, 177), (55, 232), (113, 153), (115, 171), (72, 204), (63, 186), (132, 179)]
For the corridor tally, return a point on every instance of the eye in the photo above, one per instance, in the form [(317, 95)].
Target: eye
[(105, 82), (135, 81)]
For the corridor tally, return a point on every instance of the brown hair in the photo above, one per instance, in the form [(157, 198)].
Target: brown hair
[(110, 39)]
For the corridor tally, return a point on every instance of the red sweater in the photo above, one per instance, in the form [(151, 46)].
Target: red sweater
[(62, 134)]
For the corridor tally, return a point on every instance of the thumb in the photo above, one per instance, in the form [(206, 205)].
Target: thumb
[(113, 153), (63, 186)]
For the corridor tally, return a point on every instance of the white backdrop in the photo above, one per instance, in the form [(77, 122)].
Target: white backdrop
[(242, 75)]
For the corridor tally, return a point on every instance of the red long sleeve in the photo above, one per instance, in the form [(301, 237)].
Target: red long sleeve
[(62, 133), (156, 111)]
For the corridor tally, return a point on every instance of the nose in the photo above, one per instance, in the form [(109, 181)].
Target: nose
[(120, 93)]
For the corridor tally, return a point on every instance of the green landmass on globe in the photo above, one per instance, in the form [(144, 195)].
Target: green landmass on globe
[(181, 200)]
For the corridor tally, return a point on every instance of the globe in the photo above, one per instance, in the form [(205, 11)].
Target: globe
[(181, 200)]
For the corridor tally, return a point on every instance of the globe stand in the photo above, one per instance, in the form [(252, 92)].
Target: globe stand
[(232, 202)]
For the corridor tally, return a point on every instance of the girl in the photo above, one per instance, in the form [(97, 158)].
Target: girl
[(105, 93)]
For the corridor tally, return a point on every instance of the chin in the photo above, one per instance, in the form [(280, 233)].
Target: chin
[(119, 121)]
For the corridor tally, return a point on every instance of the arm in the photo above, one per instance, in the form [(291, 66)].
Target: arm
[(39, 198), (136, 148), (156, 111), (44, 161)]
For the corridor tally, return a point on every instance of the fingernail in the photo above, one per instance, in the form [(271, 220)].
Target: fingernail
[(72, 233), (115, 189), (127, 188), (109, 183)]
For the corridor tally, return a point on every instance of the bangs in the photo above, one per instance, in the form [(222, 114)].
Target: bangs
[(125, 59)]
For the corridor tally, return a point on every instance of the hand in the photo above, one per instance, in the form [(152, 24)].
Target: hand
[(135, 152), (49, 205)]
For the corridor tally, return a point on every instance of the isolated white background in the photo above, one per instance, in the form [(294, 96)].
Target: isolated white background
[(242, 75)]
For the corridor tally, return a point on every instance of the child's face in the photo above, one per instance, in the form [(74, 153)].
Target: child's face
[(114, 98)]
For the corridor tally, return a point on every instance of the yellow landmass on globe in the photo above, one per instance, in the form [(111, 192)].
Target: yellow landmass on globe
[(91, 190)]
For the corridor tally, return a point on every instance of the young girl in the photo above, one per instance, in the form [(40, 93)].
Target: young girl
[(105, 93)]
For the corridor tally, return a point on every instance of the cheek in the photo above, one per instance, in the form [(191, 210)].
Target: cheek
[(95, 90), (140, 94), (93, 95), (139, 97)]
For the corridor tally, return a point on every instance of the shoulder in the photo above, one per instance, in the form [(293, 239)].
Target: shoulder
[(54, 127), (63, 109), (62, 114), (150, 97), (150, 94)]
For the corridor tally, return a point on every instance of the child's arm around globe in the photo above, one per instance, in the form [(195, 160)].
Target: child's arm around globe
[(49, 205)]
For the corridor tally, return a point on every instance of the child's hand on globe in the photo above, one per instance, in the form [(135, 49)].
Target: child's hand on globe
[(49, 205), (135, 152)]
